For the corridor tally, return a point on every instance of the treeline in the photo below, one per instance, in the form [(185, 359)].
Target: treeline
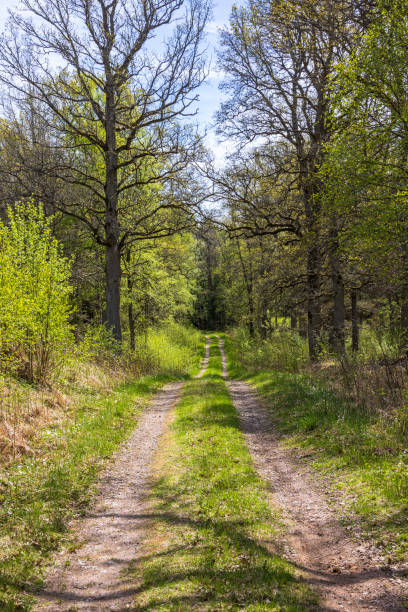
[(96, 135), (316, 193)]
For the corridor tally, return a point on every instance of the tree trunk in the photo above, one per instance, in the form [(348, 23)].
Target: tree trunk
[(313, 302), (113, 256), (354, 321), (393, 320), (130, 309), (293, 322), (113, 277), (303, 326), (338, 314), (251, 313), (314, 261), (404, 325), (263, 329)]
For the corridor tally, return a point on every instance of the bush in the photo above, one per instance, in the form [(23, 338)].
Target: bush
[(36, 336)]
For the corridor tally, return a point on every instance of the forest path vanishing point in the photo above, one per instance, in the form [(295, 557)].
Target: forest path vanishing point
[(94, 576), (349, 576)]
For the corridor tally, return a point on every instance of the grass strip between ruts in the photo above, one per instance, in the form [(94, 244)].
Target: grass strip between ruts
[(214, 542)]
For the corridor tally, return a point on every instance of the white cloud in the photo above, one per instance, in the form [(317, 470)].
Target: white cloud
[(220, 149)]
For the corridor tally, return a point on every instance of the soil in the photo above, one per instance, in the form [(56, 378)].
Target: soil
[(349, 575)]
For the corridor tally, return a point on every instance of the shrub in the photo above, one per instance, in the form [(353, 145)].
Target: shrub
[(36, 336)]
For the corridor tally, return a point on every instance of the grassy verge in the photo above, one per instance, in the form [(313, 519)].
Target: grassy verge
[(214, 542), (361, 453), (40, 493)]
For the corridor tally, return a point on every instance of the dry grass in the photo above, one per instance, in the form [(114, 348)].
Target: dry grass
[(26, 410), (375, 386)]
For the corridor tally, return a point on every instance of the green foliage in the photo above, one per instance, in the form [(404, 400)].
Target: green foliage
[(159, 281), (36, 337), (97, 343), (285, 350), (365, 171)]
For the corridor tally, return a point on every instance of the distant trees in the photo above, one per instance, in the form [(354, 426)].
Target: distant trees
[(109, 104)]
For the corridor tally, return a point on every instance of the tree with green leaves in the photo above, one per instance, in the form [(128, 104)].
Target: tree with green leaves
[(278, 58), (35, 294), (366, 171), (91, 65)]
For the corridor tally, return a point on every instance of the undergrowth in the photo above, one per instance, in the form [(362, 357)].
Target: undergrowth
[(214, 542)]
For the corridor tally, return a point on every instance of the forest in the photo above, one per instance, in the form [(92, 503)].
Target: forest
[(204, 361)]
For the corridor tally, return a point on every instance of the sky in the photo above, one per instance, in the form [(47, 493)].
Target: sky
[(210, 96)]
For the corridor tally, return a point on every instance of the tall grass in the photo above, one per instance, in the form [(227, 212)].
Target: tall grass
[(284, 350), (172, 349)]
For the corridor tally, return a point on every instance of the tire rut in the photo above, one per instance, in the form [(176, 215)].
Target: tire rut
[(348, 576), (95, 577)]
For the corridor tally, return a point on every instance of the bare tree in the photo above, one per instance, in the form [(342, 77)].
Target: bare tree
[(112, 92)]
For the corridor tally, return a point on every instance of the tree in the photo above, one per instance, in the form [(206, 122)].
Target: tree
[(113, 94), (35, 293), (278, 58), (366, 172)]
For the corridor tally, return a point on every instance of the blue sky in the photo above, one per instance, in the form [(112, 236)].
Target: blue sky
[(210, 96)]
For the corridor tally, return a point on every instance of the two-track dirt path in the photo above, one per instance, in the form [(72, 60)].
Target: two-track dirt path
[(347, 576), (94, 577)]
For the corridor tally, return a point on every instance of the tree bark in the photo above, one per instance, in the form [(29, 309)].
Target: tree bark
[(113, 256), (113, 278), (313, 302), (354, 321), (338, 314), (310, 190), (404, 325), (251, 311), (131, 316)]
